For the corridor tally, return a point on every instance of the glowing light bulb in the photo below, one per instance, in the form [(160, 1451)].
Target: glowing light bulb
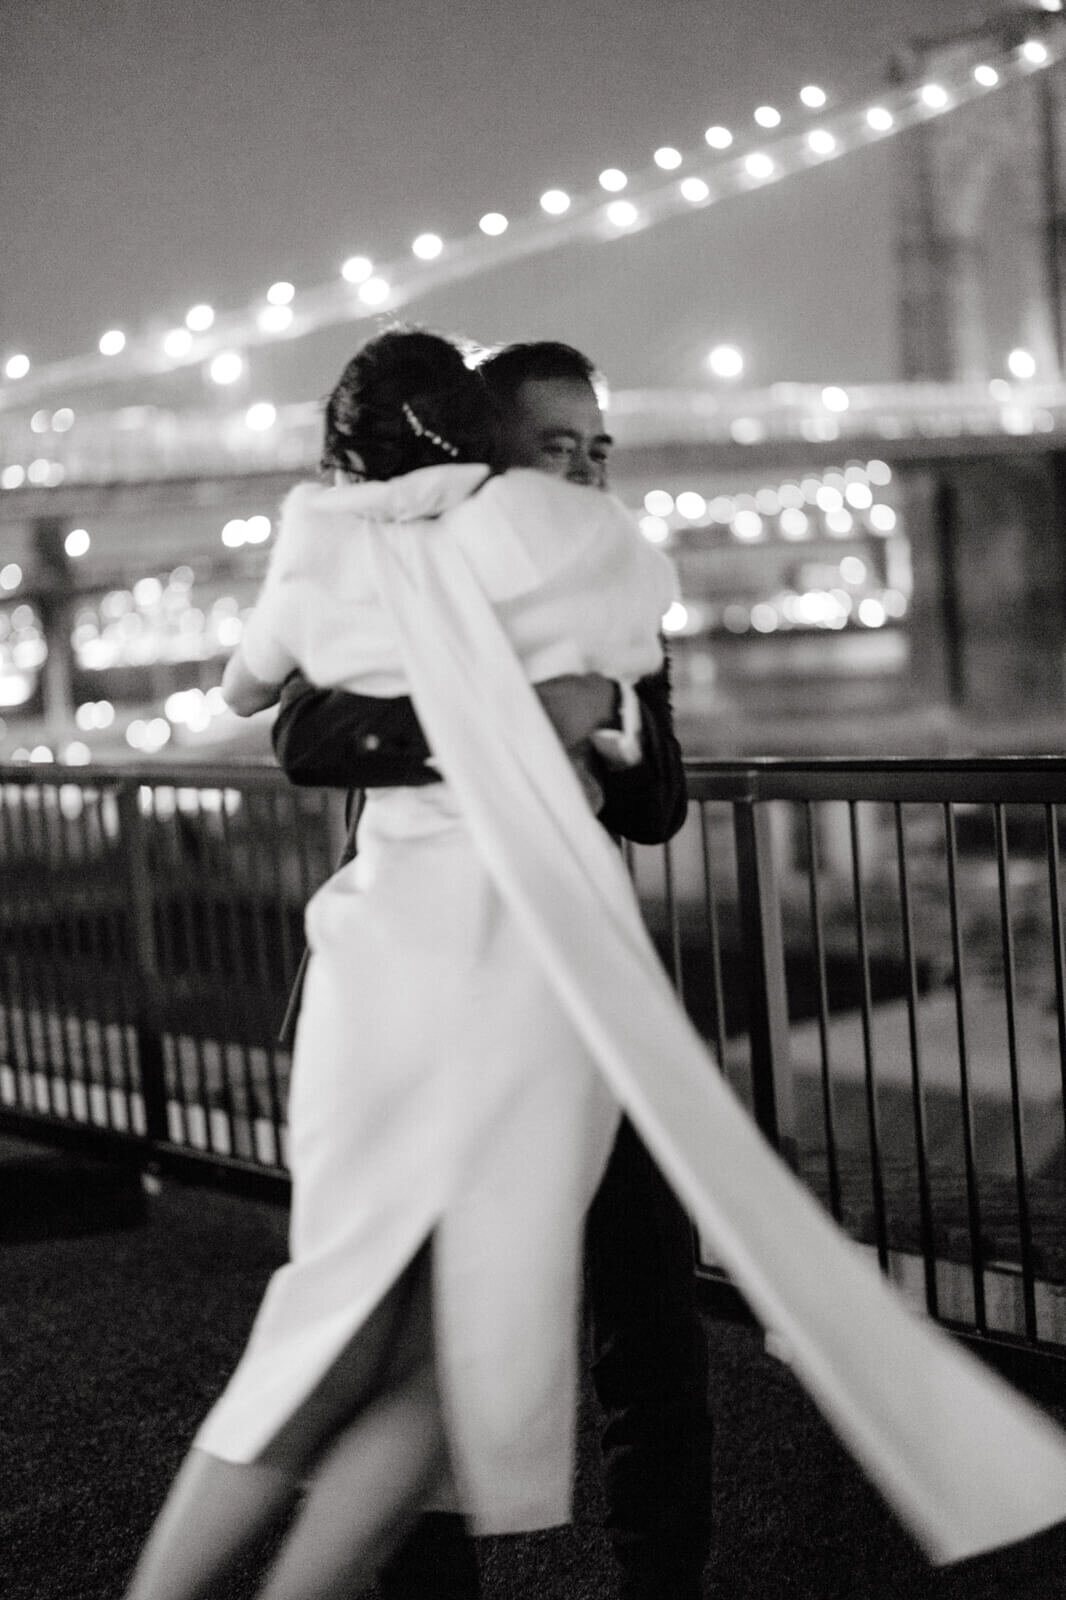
[(199, 318), (357, 269), (374, 292), (1034, 52), (658, 503), (77, 542), (493, 223), (668, 158), (655, 529), (16, 366), (759, 165), (718, 138), (726, 361), (623, 213), (821, 142), (767, 116), (987, 77), (934, 95), (555, 202), (613, 180), (813, 97), (280, 293), (834, 398), (260, 416), (428, 246), (177, 343), (1021, 364), (880, 119), (226, 367), (112, 342), (694, 190), (691, 505)]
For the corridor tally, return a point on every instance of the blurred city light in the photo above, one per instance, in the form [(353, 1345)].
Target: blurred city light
[(987, 77), (357, 269), (726, 361), (16, 366), (261, 416), (613, 180), (112, 342), (493, 223), (375, 291), (759, 165), (77, 542), (935, 96), (281, 293), (694, 190), (813, 97), (177, 343), (199, 318), (718, 138), (668, 158), (821, 141), (1021, 364), (555, 202), (767, 116), (428, 246), (880, 119), (622, 213), (226, 367)]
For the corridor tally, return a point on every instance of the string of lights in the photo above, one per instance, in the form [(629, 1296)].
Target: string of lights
[(729, 163)]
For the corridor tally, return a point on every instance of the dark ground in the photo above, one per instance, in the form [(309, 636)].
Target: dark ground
[(120, 1321)]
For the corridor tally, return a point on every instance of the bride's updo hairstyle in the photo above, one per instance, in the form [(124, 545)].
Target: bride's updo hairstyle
[(406, 400)]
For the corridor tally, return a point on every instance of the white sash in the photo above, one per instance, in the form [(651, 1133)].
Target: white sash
[(965, 1461)]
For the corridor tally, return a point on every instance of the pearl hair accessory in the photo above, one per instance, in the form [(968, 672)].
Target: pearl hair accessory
[(422, 431)]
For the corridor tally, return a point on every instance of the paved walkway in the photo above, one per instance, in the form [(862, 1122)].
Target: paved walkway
[(121, 1316)]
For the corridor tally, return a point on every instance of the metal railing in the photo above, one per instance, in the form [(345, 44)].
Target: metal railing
[(874, 951)]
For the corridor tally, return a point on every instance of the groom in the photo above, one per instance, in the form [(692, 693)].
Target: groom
[(649, 1361)]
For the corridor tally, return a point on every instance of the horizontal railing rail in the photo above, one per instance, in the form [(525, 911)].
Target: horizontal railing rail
[(873, 950)]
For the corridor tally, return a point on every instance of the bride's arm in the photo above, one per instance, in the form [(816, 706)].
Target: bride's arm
[(244, 692)]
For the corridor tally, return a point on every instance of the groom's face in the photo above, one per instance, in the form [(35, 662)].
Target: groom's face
[(556, 426)]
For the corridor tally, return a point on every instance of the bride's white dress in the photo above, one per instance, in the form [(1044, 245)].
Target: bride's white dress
[(439, 1085), (965, 1461)]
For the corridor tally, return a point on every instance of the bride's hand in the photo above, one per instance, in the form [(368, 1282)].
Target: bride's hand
[(579, 704)]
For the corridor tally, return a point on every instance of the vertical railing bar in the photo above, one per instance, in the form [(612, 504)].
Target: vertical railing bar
[(773, 1091), (156, 840), (1051, 825), (212, 969), (710, 907), (241, 985), (969, 1143), (147, 935), (114, 920), (818, 938), (918, 1107), (76, 963), (184, 903), (21, 964), (263, 964), (55, 1026), (872, 1114), (127, 936), (1020, 1174), (94, 846)]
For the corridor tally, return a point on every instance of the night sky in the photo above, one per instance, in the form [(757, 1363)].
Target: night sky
[(157, 154)]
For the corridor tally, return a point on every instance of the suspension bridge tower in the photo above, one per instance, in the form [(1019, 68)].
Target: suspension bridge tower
[(982, 240), (982, 273)]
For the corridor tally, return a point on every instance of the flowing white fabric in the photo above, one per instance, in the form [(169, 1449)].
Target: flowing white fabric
[(965, 1461)]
